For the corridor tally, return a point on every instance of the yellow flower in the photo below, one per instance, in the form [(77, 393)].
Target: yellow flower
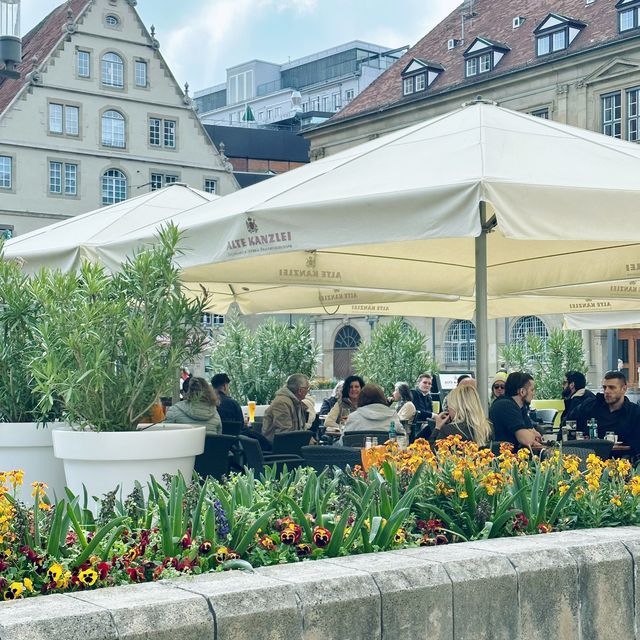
[(634, 485), (615, 501), (579, 493), (88, 577), (28, 585), (563, 487), (54, 572), (39, 487), (16, 589), (463, 494)]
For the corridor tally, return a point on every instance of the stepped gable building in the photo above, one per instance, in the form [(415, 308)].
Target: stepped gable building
[(574, 61), (96, 117)]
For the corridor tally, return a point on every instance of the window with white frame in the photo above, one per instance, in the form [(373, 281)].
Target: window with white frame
[(407, 86), (113, 129), (460, 342), (63, 178), (335, 99), (349, 94), (162, 133), (159, 180), (633, 115), (612, 115), (526, 326), (114, 186), (479, 64), (170, 134), (420, 82), (628, 15), (277, 112), (541, 113), (64, 119), (141, 73), (212, 319), (84, 64), (210, 185), (6, 166), (556, 33), (112, 70)]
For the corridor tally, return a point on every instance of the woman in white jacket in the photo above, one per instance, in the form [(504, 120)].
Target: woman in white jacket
[(373, 413)]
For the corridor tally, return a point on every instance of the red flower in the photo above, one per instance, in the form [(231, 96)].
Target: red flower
[(103, 569), (545, 527), (434, 525), (71, 539), (303, 550), (441, 538), (321, 537), (267, 543), (186, 539), (136, 574), (520, 522), (427, 541), (291, 534), (205, 547), (283, 523), (131, 554)]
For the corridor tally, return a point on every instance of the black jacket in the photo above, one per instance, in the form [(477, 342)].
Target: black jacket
[(625, 422), (423, 405), (327, 405), (229, 409), (572, 405)]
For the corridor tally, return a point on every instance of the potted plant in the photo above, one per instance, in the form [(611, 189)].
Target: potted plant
[(111, 345), (25, 442)]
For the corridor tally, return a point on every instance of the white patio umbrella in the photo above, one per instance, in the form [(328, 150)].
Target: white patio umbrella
[(604, 320), (482, 203), (65, 244)]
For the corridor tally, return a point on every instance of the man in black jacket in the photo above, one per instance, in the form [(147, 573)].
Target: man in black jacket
[(613, 411), (421, 396), (574, 393), (229, 409)]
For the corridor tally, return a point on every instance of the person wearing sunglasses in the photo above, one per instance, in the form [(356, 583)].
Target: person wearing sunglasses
[(497, 388)]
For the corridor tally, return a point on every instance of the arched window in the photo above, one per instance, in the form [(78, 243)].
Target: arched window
[(112, 70), (113, 129), (526, 325), (460, 343), (114, 186), (112, 21), (345, 345)]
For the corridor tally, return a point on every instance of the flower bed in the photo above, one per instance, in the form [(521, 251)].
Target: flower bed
[(406, 498)]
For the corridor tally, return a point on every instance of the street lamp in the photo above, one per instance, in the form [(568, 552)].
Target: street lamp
[(10, 43)]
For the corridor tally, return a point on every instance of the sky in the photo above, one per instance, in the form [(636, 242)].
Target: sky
[(206, 36)]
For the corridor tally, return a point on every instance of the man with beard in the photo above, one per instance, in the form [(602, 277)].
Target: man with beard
[(574, 393), (509, 414), (613, 411)]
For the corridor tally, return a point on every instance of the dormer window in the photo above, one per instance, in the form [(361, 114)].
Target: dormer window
[(482, 56), (556, 33), (419, 75), (628, 15)]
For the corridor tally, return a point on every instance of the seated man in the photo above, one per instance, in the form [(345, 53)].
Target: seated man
[(286, 412), (229, 409), (613, 411), (574, 393), (509, 414), (421, 398)]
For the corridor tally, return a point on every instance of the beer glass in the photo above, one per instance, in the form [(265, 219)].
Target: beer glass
[(251, 405)]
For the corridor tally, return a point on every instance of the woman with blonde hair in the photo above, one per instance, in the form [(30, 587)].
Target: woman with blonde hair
[(464, 417), (198, 407)]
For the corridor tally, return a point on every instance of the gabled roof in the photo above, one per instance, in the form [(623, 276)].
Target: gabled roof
[(480, 44), (39, 42), (555, 19), (493, 17), (418, 64)]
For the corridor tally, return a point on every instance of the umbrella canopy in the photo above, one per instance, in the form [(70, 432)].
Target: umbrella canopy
[(483, 204), (65, 244), (605, 320)]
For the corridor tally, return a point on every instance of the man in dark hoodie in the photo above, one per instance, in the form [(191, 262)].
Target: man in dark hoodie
[(574, 393), (286, 412), (613, 411)]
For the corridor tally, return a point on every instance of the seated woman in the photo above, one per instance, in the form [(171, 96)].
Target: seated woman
[(464, 417), (404, 404), (373, 413), (347, 403), (198, 407), (327, 403)]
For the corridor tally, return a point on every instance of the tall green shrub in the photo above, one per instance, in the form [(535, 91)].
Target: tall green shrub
[(395, 353), (547, 362), (258, 362)]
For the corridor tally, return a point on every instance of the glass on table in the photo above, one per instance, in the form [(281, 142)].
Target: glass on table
[(251, 405), (612, 436)]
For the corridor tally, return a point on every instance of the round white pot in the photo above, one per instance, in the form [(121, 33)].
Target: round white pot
[(27, 446), (103, 461)]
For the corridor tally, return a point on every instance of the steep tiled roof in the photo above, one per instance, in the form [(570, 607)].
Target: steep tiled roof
[(493, 20), (39, 42)]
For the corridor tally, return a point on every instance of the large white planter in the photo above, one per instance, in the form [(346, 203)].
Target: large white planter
[(103, 461), (27, 446)]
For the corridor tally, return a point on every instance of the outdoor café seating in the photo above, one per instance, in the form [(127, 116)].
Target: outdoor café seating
[(321, 457), (254, 458), (358, 438), (602, 448), (214, 460), (290, 443)]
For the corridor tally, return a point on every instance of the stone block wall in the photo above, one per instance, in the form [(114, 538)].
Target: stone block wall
[(578, 585)]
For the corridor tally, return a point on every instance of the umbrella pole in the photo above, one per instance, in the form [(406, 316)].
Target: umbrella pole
[(482, 334)]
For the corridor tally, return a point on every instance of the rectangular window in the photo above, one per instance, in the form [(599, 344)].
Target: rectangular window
[(612, 115), (560, 40), (141, 73), (269, 114), (628, 19), (420, 82), (325, 103), (472, 67), (552, 42), (544, 45), (64, 119), (5, 172), (63, 178), (159, 180), (541, 113), (349, 95), (210, 185), (170, 133), (277, 112), (485, 62), (154, 131), (336, 101), (84, 64), (633, 115)]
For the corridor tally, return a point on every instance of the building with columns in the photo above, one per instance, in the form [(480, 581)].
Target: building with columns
[(573, 61), (96, 117)]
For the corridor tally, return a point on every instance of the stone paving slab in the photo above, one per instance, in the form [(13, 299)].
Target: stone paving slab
[(336, 600), (247, 606), (150, 611)]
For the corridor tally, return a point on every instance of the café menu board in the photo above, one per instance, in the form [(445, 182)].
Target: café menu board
[(450, 380)]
